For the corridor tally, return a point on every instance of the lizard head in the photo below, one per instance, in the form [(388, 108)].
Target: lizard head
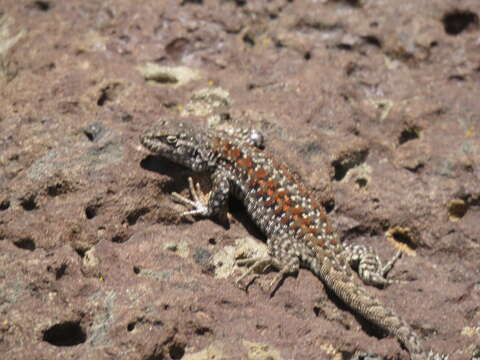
[(180, 143)]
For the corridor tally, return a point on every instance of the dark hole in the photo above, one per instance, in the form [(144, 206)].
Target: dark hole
[(353, 3), (456, 77), (344, 164), (457, 21), (4, 205), (55, 190), (102, 99), (248, 39), (29, 203), (25, 243), (279, 44), (203, 330), (133, 216), (404, 238), (307, 56), (340, 170), (68, 333), (91, 211), (329, 206), (81, 252), (198, 2), (170, 104), (176, 351), (346, 47), (163, 78), (411, 133), (42, 5), (361, 182), (126, 117), (119, 239), (458, 209), (415, 169), (59, 272), (131, 326), (136, 270), (372, 40)]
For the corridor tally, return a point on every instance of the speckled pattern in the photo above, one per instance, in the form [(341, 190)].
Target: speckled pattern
[(298, 231)]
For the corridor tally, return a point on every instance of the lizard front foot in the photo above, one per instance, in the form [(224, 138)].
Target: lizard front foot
[(199, 202)]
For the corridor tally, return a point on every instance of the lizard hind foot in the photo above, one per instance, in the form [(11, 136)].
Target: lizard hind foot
[(261, 265), (369, 266)]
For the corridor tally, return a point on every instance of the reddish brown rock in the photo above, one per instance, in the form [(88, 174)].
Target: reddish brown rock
[(374, 103)]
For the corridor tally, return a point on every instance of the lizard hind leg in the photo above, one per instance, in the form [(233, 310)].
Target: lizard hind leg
[(370, 266), (281, 257)]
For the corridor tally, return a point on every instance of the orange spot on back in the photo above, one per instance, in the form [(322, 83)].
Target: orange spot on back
[(303, 191), (226, 145), (297, 224), (306, 221), (261, 174), (313, 230), (278, 210), (245, 163), (328, 229), (272, 184), (316, 205), (296, 210), (234, 154), (269, 202)]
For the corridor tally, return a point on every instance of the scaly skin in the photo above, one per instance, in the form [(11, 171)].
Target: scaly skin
[(298, 231)]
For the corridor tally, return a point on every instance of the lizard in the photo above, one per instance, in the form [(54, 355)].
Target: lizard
[(298, 230)]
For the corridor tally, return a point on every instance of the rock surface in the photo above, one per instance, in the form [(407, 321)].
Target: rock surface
[(376, 103)]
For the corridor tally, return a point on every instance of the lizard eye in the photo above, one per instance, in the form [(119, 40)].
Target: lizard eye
[(171, 139)]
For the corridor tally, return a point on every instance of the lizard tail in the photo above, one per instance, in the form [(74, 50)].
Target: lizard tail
[(373, 310)]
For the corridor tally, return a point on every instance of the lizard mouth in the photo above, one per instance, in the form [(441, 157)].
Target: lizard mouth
[(155, 143)]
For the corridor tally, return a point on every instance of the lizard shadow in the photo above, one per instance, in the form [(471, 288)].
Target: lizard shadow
[(369, 328), (177, 173), (179, 181)]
